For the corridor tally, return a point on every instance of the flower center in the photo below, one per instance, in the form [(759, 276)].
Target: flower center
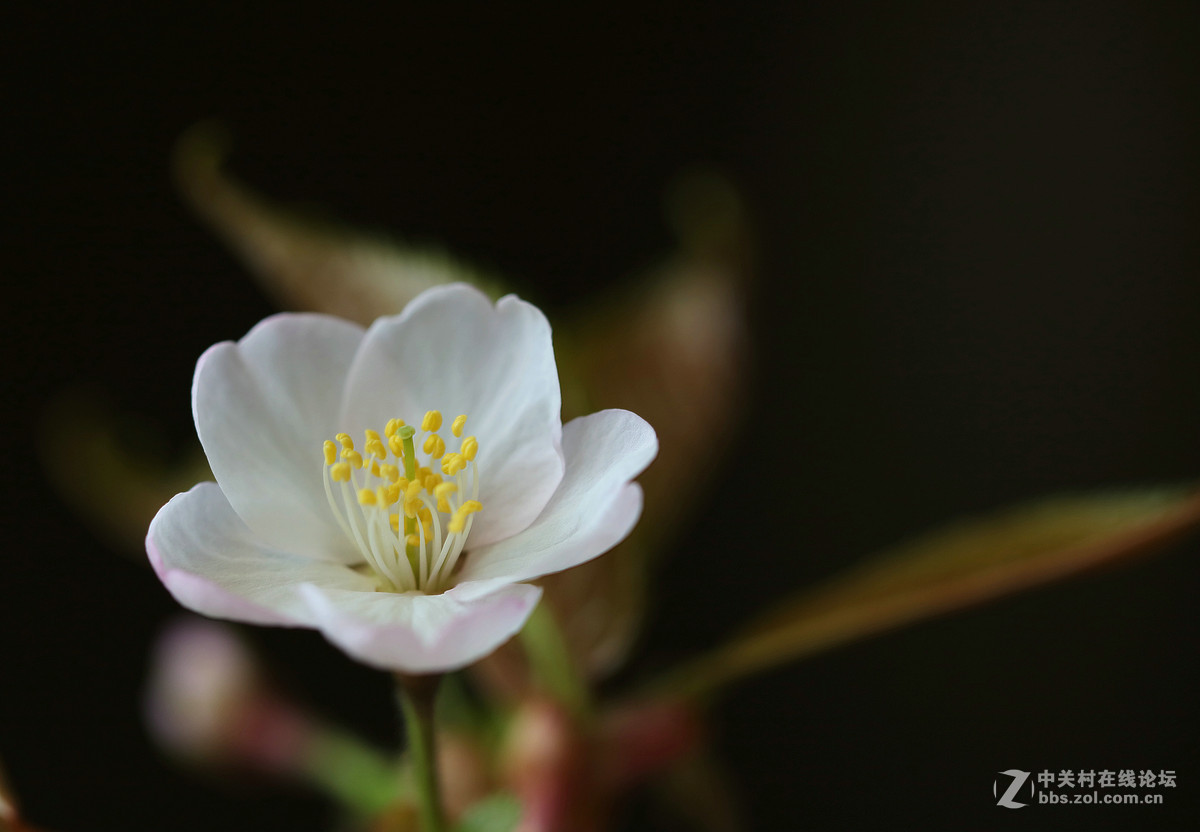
[(409, 522)]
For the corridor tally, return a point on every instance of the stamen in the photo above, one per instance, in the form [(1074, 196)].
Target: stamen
[(453, 463), (435, 446), (416, 546), (374, 446), (470, 447), (458, 521), (397, 446), (441, 492)]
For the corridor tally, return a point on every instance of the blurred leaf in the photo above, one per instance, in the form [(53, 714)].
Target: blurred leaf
[(305, 263), (698, 790), (354, 773), (498, 813), (965, 564), (674, 349), (551, 662), (110, 473)]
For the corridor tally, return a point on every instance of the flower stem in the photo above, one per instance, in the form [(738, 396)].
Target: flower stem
[(417, 696)]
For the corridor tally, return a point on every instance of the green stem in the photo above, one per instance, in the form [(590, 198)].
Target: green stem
[(417, 695)]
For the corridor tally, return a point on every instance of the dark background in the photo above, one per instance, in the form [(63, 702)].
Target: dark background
[(980, 283)]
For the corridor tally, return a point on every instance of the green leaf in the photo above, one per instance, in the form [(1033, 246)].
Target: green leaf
[(497, 813), (356, 774), (965, 564)]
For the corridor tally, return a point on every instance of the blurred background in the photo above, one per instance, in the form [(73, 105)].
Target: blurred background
[(979, 282)]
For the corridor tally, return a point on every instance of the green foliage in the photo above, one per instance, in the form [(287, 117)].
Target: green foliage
[(498, 813)]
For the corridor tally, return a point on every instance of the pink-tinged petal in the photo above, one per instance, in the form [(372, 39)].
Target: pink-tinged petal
[(452, 350), (594, 508), (263, 407), (214, 564), (421, 633)]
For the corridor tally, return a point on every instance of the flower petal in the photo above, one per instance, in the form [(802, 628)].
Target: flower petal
[(212, 563), (452, 350), (594, 508), (421, 633), (263, 406)]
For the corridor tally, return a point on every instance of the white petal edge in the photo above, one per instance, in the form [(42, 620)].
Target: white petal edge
[(421, 633), (594, 508), (213, 564), (452, 350), (263, 407)]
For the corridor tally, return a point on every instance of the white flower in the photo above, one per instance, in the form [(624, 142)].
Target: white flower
[(329, 512)]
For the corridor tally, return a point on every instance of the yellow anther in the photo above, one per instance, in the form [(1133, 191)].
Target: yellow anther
[(371, 434), (442, 492), (435, 446), (402, 483), (431, 481), (375, 469), (453, 463), (340, 472), (394, 522), (456, 427), (383, 496), (470, 447), (432, 420), (459, 521), (412, 540), (375, 447), (424, 515), (397, 446), (330, 452), (393, 492), (411, 504), (392, 426), (389, 471), (345, 440), (353, 457), (366, 497)]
